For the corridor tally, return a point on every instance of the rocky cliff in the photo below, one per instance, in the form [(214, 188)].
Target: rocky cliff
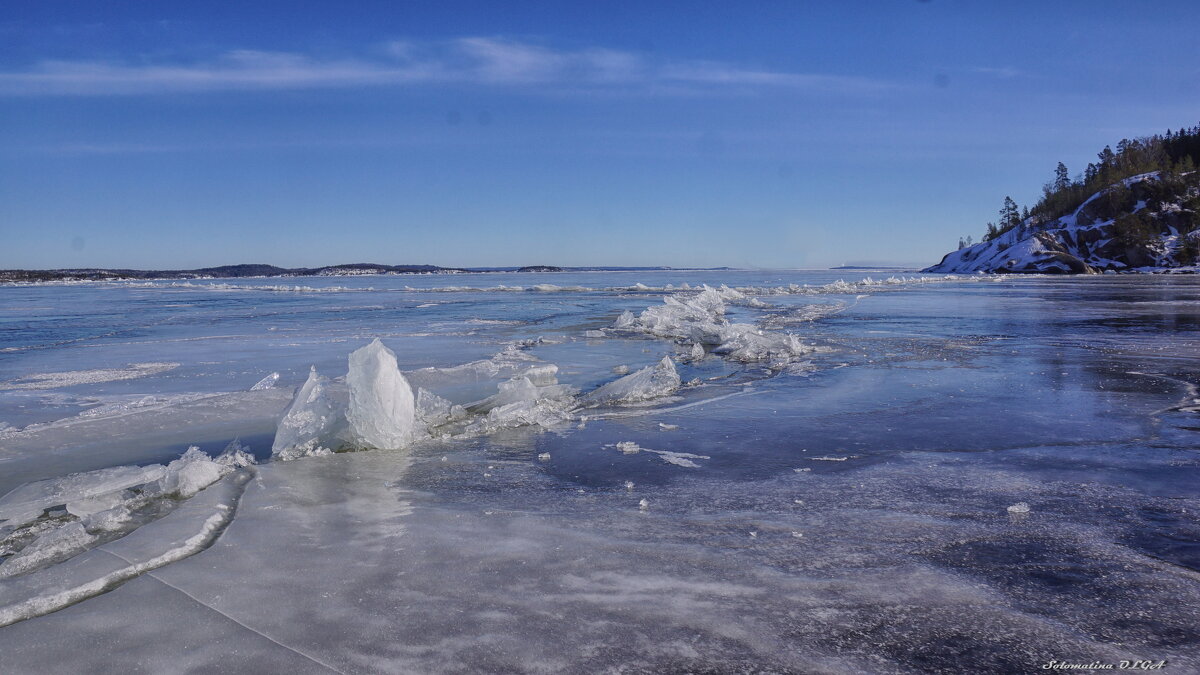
[(1146, 223)]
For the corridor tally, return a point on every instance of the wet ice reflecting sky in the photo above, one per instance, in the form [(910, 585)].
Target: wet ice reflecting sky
[(849, 515)]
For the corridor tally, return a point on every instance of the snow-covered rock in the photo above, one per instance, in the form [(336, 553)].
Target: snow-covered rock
[(1090, 239)]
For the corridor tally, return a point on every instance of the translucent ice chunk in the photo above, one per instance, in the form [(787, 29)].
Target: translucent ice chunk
[(85, 507), (191, 473), (1019, 507), (433, 410), (110, 520), (27, 502), (532, 385), (382, 410), (310, 423), (57, 544), (543, 375), (516, 390), (650, 382), (744, 342)]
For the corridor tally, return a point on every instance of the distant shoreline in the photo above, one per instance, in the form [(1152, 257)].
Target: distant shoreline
[(270, 271)]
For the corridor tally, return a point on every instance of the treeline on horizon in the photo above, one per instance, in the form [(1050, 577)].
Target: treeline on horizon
[(1174, 154)]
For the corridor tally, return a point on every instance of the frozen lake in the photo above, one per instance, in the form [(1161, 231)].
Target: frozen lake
[(827, 487)]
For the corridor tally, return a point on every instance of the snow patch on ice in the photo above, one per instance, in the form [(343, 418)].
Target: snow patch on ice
[(683, 459), (76, 377)]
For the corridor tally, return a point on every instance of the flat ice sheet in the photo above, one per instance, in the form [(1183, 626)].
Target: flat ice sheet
[(842, 509)]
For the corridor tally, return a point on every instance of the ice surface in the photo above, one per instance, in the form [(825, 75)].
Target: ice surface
[(382, 411), (650, 382), (311, 424), (466, 552), (182, 533)]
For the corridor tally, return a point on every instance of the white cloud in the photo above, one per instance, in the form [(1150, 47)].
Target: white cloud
[(471, 60)]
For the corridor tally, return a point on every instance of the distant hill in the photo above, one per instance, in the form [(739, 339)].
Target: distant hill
[(261, 270), (1137, 209), (222, 272)]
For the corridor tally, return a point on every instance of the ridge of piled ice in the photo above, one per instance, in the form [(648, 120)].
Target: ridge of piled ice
[(99, 503), (28, 502), (382, 411), (310, 423), (547, 413), (700, 321), (534, 384), (532, 397), (656, 381), (50, 547), (509, 362)]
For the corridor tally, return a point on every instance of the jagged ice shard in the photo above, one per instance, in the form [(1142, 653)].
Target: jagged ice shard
[(650, 382), (310, 423), (382, 410)]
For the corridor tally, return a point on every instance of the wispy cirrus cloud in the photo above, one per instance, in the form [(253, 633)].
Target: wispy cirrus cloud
[(465, 61)]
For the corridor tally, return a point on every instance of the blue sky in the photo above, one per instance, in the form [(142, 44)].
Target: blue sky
[(791, 134)]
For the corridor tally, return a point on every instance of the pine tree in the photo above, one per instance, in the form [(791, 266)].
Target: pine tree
[(1062, 180), (1107, 157), (1010, 217)]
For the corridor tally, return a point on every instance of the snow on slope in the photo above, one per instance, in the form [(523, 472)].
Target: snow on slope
[(1080, 242)]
